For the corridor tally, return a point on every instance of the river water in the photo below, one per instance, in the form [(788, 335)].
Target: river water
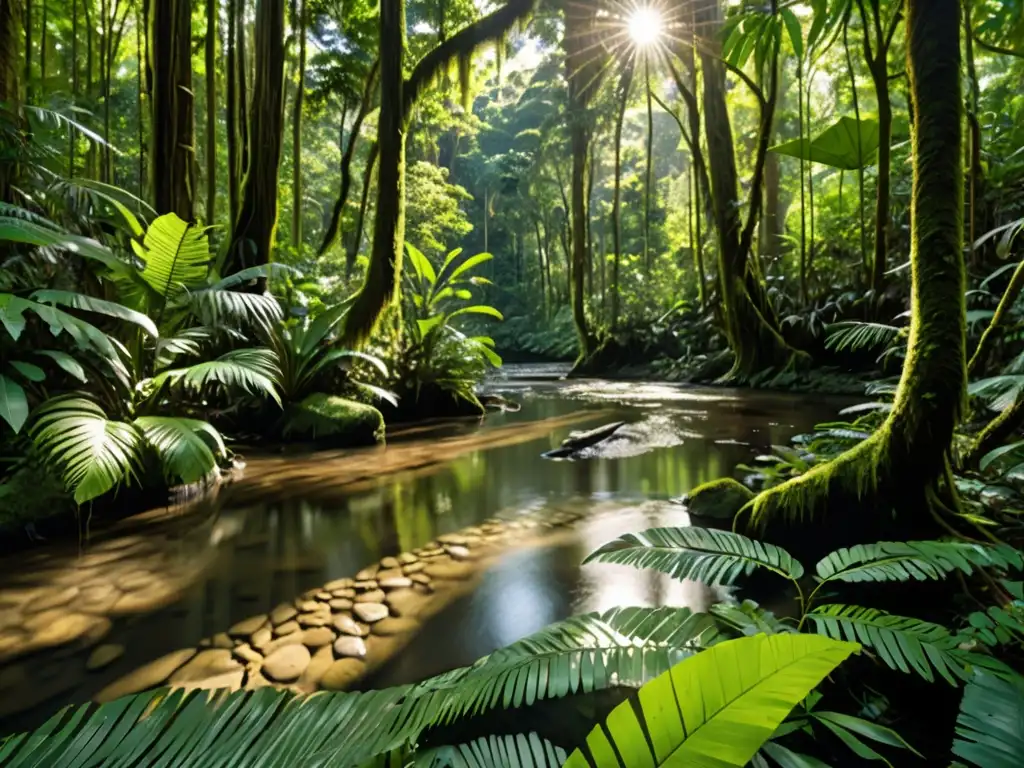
[(163, 582)]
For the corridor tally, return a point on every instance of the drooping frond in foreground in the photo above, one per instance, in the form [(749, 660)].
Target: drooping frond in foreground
[(990, 728)]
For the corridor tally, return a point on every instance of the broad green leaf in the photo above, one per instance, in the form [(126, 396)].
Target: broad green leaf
[(420, 263), (796, 35), (468, 264), (19, 231), (70, 366), (479, 309), (99, 306), (175, 255), (30, 371), (183, 445), (847, 145), (13, 403), (716, 708)]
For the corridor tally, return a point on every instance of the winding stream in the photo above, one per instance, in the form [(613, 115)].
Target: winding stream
[(75, 619)]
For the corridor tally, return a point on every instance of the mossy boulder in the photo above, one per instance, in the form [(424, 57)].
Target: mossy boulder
[(335, 422), (719, 499)]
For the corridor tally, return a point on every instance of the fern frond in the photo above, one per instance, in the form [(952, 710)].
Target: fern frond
[(913, 560), (988, 730), (854, 336), (700, 554)]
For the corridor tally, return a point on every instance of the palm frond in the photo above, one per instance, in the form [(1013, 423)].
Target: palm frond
[(736, 696), (175, 255), (93, 453), (508, 751), (913, 560), (701, 554), (902, 643), (18, 230), (86, 335), (219, 306), (244, 370), (855, 335), (990, 728), (188, 448), (1000, 392)]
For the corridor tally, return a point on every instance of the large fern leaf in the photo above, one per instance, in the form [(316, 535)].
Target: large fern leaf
[(248, 370), (990, 728), (902, 643), (188, 448), (18, 230), (94, 454), (99, 306), (715, 708), (508, 751), (701, 554), (913, 560), (175, 255)]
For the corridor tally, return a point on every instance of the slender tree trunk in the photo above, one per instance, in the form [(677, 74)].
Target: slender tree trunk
[(860, 149), (242, 70), (988, 338), (884, 174), (977, 177), (10, 21), (334, 225), (904, 466), (803, 185), (43, 38), (253, 238), (357, 237), (300, 95), (72, 133), (140, 105), (173, 109), (211, 110), (625, 86), (29, 96), (540, 267), (231, 119), (649, 165)]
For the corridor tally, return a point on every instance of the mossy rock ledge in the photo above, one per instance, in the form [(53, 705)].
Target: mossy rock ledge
[(335, 422), (719, 499)]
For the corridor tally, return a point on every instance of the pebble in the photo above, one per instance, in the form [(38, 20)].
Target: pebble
[(449, 570), (51, 599), (104, 655), (432, 552), (420, 578), (341, 674), (341, 604), (412, 568), (367, 573), (284, 612), (246, 653), (317, 637), (459, 553), (147, 676), (347, 592), (312, 620), (349, 626), (407, 559), (350, 646), (452, 538), (398, 582), (222, 640), (366, 585), (323, 597), (309, 606), (322, 661), (57, 627), (404, 602), (261, 637), (370, 612), (212, 663), (389, 563), (286, 664), (375, 596), (286, 629), (395, 626), (331, 586), (391, 573)]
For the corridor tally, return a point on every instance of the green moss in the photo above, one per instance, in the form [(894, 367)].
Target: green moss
[(719, 499), (30, 494), (335, 421)]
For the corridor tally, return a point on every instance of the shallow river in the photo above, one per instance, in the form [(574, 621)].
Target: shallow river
[(165, 581)]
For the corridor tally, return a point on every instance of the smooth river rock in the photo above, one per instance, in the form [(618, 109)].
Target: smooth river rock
[(370, 612), (341, 674), (340, 604), (311, 620), (51, 599), (399, 582), (388, 563), (286, 664), (350, 646), (349, 626), (284, 612), (395, 626), (331, 586), (147, 676), (348, 593), (413, 568), (407, 558), (286, 629), (103, 655), (459, 553), (449, 570), (212, 663), (317, 637), (390, 573), (376, 596)]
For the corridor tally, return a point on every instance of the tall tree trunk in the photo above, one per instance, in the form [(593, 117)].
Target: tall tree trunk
[(904, 466), (253, 238), (625, 86), (337, 214), (72, 133), (173, 109), (231, 119), (140, 104), (211, 110), (977, 177), (242, 70), (860, 149), (352, 251), (29, 96), (649, 163), (300, 95), (10, 20), (750, 325)]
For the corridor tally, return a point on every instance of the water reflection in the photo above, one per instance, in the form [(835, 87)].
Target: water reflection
[(149, 589)]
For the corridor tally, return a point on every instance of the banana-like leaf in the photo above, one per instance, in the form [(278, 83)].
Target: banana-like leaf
[(183, 445), (175, 255), (99, 306), (70, 366), (905, 644), (990, 728), (95, 455), (421, 264), (29, 371), (13, 403), (86, 335), (716, 708), (913, 560), (701, 554), (846, 145), (511, 751), (17, 230)]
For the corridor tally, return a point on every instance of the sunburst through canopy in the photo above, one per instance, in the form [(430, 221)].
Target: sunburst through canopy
[(646, 26)]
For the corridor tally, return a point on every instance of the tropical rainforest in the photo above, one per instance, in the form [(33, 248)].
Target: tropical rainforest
[(260, 223)]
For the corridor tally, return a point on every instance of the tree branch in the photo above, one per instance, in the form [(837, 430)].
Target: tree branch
[(758, 93), (996, 48), (463, 43)]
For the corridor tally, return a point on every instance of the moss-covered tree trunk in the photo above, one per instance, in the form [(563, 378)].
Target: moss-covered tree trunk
[(398, 99), (231, 119), (173, 109), (10, 18), (252, 241), (625, 86), (904, 467), (750, 325)]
